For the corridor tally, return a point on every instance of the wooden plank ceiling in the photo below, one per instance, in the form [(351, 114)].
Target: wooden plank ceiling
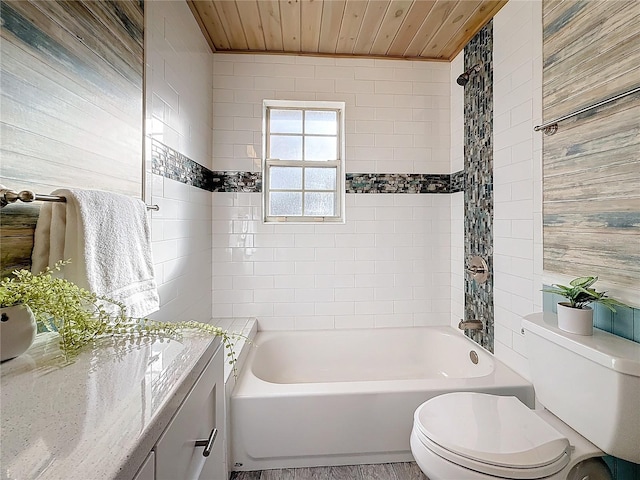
[(413, 29)]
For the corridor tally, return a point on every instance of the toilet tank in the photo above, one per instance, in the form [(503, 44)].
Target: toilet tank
[(592, 383)]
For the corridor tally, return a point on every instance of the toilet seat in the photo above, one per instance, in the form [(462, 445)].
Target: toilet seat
[(491, 434)]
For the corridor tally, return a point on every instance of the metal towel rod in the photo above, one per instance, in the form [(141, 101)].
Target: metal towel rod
[(551, 127), (11, 196)]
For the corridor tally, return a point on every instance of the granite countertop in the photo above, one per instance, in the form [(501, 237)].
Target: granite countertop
[(98, 417)]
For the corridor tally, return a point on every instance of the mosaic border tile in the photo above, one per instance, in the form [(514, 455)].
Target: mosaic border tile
[(398, 183), (169, 163), (478, 180), (456, 183), (246, 182)]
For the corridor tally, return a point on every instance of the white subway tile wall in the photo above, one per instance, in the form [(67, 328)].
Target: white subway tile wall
[(457, 199), (397, 112), (388, 265), (517, 175), (179, 88)]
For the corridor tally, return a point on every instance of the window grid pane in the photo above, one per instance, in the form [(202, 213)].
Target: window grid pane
[(319, 179), (286, 121), (285, 178), (286, 147), (319, 204), (285, 204), (323, 122), (320, 148)]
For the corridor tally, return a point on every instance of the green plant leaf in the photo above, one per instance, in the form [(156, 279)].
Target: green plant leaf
[(583, 282)]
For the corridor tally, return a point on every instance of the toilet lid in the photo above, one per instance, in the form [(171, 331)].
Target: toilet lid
[(490, 432)]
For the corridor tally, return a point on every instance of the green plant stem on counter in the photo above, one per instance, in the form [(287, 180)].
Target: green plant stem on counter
[(83, 318)]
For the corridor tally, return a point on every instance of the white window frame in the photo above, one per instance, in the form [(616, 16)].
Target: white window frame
[(338, 164)]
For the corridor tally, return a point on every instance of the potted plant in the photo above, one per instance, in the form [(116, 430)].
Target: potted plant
[(575, 315), (81, 317)]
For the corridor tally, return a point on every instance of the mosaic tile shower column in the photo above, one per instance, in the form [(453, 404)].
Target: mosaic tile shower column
[(478, 172)]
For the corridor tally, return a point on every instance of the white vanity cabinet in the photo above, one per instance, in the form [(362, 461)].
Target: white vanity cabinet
[(146, 405), (191, 447)]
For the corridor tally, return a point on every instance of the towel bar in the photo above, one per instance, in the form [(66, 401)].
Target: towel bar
[(11, 196), (551, 127)]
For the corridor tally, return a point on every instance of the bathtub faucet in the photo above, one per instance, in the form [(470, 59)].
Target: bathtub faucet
[(470, 325)]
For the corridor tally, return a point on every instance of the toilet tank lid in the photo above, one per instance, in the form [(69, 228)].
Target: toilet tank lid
[(611, 351)]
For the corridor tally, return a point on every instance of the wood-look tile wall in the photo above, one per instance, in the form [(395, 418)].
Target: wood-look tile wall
[(592, 164), (70, 105)]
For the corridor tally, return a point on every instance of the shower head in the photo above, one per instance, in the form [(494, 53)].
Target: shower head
[(464, 78)]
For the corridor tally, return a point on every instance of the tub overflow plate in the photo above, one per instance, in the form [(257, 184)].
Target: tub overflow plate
[(474, 357)]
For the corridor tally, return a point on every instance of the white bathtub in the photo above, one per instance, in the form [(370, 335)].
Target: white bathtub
[(340, 397)]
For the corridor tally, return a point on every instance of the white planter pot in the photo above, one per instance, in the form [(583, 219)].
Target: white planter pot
[(575, 320), (17, 331)]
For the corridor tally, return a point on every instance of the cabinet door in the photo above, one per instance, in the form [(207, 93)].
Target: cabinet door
[(201, 413), (147, 470)]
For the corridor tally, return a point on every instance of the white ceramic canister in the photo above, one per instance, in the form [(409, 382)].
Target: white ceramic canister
[(17, 331), (575, 320)]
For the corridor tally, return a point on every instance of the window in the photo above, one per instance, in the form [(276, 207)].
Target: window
[(303, 156)]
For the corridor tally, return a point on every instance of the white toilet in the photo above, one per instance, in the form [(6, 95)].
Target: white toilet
[(590, 388)]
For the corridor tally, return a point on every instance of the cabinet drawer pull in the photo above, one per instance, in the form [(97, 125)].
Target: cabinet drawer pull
[(207, 444)]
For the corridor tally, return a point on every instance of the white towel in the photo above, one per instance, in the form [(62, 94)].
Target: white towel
[(107, 238)]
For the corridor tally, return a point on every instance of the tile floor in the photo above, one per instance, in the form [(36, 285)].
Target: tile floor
[(383, 471)]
